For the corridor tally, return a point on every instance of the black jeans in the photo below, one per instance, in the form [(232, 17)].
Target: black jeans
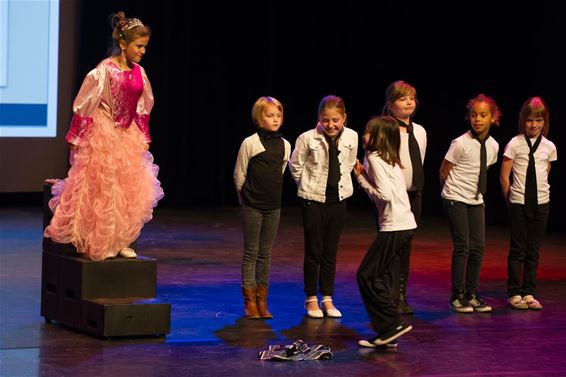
[(322, 224), (526, 236), (376, 275), (467, 226)]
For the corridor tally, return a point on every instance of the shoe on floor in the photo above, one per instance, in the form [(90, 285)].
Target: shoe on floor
[(389, 336), (317, 313), (128, 252), (517, 302), (330, 313), (532, 302), (459, 304), (370, 343), (478, 304)]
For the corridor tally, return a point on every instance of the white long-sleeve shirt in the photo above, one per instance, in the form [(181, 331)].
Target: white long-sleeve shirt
[(386, 186)]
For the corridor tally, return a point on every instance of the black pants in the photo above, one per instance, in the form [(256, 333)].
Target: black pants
[(376, 275), (467, 226), (322, 224), (415, 199), (526, 236)]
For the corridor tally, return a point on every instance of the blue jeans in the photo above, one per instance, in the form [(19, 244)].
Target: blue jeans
[(260, 230), (526, 236), (467, 226)]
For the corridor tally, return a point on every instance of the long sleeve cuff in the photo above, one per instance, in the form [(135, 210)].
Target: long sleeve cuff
[(78, 127)]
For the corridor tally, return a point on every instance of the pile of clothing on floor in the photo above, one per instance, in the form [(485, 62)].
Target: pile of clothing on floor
[(297, 351)]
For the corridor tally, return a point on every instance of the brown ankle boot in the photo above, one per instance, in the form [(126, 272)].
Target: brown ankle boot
[(250, 305), (261, 294)]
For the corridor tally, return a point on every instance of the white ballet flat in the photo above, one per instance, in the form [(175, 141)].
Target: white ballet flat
[(313, 313), (330, 313), (128, 252)]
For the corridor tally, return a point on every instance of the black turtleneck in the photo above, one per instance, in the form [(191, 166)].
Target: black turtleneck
[(264, 180)]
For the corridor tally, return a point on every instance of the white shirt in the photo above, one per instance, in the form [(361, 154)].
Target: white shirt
[(309, 164), (462, 182), (383, 185), (518, 151), (404, 155)]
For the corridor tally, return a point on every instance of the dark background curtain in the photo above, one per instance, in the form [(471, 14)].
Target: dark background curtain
[(208, 62)]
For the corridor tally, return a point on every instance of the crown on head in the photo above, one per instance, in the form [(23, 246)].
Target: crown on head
[(129, 23)]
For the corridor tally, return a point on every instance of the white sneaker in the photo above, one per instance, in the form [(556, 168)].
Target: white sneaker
[(128, 252)]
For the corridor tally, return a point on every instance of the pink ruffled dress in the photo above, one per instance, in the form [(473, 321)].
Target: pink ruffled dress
[(112, 185)]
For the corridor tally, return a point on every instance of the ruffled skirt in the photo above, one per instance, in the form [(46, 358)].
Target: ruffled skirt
[(110, 191)]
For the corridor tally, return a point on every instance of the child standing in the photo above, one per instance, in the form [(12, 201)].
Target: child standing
[(258, 177), (112, 184), (379, 271), (528, 155), (401, 103), (321, 164), (463, 180)]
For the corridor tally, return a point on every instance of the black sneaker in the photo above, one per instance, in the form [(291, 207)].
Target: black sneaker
[(459, 304), (391, 335), (370, 343), (478, 304)]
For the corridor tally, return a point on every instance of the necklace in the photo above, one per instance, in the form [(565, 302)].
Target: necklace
[(118, 64)]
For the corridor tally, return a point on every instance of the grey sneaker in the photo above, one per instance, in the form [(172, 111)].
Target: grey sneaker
[(478, 304), (460, 305)]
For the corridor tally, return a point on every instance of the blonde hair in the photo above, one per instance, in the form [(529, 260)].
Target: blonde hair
[(534, 106), (261, 104)]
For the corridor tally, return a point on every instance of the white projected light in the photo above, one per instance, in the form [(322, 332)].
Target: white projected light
[(29, 34)]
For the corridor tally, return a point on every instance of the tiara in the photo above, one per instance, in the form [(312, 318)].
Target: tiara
[(130, 23)]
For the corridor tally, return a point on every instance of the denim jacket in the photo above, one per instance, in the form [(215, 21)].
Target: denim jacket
[(309, 164)]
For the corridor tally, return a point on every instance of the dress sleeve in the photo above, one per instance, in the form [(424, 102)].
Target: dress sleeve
[(145, 104), (85, 103)]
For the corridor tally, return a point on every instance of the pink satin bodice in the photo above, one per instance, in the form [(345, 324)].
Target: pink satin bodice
[(124, 96)]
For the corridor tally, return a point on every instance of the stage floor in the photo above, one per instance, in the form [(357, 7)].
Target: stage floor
[(199, 253)]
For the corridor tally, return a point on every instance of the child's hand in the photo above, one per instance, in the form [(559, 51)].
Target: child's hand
[(359, 169)]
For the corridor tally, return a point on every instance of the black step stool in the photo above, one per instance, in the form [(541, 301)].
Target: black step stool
[(110, 298)]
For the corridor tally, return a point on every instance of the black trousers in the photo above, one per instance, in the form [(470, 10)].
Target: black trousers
[(376, 275), (322, 224), (526, 236), (415, 199)]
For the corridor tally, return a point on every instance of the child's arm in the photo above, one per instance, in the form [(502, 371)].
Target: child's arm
[(241, 168), (381, 188), (506, 167), (298, 158), (445, 169)]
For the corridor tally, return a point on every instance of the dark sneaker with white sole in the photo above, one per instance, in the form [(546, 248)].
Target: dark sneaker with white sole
[(370, 343), (389, 336), (459, 304), (477, 303)]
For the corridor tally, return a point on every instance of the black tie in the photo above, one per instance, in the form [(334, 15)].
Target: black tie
[(416, 162), (531, 195), (482, 181)]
